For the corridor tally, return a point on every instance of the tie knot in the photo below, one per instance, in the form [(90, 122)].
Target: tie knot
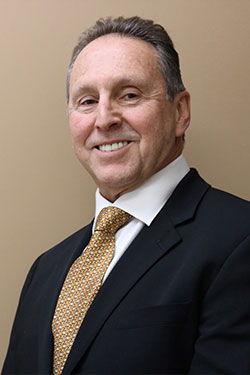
[(111, 219)]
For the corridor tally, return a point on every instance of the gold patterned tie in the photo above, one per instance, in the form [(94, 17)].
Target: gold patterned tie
[(83, 282)]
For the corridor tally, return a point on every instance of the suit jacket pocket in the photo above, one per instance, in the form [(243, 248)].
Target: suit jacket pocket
[(166, 315)]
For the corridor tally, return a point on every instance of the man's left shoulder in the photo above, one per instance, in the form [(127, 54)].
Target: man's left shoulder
[(227, 215), (226, 202), (215, 209), (216, 199)]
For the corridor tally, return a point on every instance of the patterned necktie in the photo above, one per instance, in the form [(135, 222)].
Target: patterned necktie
[(83, 282)]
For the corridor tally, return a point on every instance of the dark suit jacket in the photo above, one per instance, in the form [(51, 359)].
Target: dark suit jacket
[(177, 302)]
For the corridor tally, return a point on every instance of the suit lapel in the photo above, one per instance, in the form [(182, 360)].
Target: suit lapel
[(69, 250), (148, 247)]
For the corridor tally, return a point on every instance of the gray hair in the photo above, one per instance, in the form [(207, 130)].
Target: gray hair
[(143, 29)]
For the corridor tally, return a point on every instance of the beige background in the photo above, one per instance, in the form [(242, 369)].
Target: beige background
[(45, 194)]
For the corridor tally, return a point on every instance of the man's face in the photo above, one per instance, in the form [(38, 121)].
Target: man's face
[(123, 127)]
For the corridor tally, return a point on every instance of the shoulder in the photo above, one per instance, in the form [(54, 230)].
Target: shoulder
[(222, 219), (195, 197), (58, 257), (217, 201), (66, 248), (209, 213), (225, 215), (226, 207), (226, 204)]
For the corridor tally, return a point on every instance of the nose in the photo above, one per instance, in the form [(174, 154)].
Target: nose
[(107, 114)]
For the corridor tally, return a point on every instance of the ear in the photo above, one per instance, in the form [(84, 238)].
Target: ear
[(182, 102)]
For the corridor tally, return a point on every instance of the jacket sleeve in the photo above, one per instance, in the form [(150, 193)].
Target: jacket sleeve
[(223, 344)]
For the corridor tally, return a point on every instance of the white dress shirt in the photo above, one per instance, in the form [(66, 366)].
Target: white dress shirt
[(143, 203)]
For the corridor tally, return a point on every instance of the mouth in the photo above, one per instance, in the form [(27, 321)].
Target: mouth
[(112, 146)]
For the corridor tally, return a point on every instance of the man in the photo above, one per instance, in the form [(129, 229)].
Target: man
[(174, 294)]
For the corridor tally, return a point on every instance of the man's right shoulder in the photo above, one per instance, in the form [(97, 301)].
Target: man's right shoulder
[(64, 249)]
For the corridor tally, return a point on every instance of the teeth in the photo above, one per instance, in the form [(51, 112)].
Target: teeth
[(113, 146)]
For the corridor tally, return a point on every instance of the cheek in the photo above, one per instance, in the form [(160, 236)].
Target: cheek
[(150, 127), (157, 137), (79, 127)]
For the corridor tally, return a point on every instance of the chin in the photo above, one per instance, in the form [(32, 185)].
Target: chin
[(118, 177), (115, 185)]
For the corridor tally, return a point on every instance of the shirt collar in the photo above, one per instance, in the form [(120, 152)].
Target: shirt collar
[(155, 192)]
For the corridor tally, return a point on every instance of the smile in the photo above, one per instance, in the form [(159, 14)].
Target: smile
[(112, 146)]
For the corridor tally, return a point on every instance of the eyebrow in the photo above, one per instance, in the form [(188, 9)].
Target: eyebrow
[(126, 81)]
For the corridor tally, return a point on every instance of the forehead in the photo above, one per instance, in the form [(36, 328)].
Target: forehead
[(115, 55)]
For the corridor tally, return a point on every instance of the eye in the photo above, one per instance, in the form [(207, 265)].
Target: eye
[(87, 102), (130, 95)]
